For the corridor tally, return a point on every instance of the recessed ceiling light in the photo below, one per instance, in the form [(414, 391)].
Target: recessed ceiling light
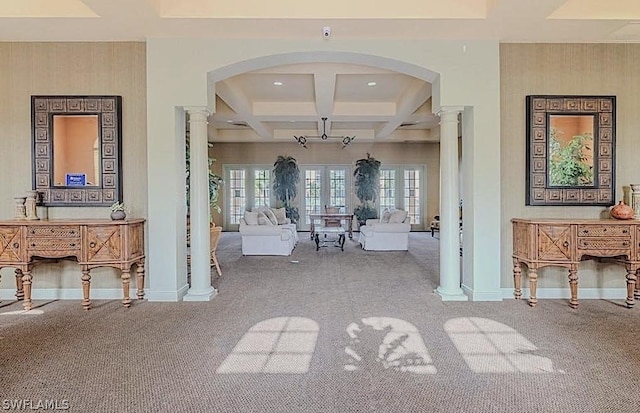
[(371, 84), (277, 83)]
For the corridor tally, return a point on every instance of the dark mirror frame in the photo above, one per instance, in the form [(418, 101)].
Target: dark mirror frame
[(539, 110), (109, 111)]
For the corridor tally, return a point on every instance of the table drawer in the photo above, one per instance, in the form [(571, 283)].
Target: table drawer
[(51, 244), (604, 230), (59, 231), (603, 244)]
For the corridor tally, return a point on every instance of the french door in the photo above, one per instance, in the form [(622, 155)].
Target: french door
[(324, 186)]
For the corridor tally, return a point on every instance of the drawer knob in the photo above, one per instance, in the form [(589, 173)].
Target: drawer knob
[(565, 244), (33, 245), (92, 244), (624, 231), (16, 245)]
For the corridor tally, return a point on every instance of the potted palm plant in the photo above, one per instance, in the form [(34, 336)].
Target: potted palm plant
[(367, 183), (286, 175)]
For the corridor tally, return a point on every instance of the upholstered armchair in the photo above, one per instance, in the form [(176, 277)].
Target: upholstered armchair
[(389, 233)]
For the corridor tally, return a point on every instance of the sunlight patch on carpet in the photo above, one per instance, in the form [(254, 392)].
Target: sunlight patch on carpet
[(488, 346), (277, 345)]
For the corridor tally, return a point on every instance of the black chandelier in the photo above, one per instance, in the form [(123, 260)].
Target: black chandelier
[(302, 140)]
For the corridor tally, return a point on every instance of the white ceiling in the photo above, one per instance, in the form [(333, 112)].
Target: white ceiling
[(398, 108)]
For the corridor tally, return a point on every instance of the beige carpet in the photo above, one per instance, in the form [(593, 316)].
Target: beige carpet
[(325, 331)]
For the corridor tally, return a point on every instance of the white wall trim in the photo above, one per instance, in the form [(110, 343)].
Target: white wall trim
[(483, 295), (167, 296), (68, 294), (565, 293)]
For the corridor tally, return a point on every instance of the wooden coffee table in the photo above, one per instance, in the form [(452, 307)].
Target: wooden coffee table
[(333, 235)]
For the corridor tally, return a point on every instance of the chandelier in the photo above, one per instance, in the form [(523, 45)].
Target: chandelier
[(302, 140)]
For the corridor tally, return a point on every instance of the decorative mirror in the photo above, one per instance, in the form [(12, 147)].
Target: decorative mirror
[(570, 150), (77, 143)]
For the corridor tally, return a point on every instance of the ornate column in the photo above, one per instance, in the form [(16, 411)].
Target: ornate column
[(449, 288), (201, 288)]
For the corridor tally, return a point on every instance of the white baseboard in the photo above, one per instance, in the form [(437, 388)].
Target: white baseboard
[(167, 296), (483, 295), (68, 294), (565, 293)]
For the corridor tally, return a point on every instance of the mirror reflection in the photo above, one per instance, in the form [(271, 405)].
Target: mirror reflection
[(76, 153), (571, 150)]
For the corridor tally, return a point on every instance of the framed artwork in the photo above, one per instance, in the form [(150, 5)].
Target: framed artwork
[(570, 150)]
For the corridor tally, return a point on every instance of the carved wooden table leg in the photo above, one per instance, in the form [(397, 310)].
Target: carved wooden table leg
[(573, 286), (636, 293), (533, 283), (86, 287), (140, 280), (19, 288), (631, 286), (126, 276), (26, 286), (517, 279)]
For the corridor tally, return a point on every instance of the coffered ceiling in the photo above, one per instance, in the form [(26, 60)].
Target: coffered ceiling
[(255, 107)]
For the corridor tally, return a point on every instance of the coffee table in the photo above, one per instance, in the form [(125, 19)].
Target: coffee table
[(336, 235)]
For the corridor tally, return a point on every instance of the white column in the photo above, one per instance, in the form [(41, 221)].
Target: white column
[(201, 289), (449, 288)]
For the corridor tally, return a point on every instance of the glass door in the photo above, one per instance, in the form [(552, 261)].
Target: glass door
[(323, 186)]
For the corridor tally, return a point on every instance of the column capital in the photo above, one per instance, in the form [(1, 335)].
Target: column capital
[(197, 110), (449, 110)]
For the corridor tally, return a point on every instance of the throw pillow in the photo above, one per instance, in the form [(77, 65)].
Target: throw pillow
[(272, 217), (397, 216), (386, 214), (251, 218), (281, 215), (263, 220)]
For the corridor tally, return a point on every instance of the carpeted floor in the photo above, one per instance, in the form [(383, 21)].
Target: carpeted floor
[(325, 331)]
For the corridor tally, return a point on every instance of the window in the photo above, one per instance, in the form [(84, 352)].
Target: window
[(323, 185), (248, 186), (237, 195), (401, 188), (262, 186)]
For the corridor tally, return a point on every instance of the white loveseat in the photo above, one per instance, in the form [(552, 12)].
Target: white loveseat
[(389, 233), (262, 238)]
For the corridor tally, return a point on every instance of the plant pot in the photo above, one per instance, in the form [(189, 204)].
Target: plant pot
[(118, 215), (622, 211)]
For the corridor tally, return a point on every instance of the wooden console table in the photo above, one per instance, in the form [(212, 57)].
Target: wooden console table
[(93, 243), (561, 242)]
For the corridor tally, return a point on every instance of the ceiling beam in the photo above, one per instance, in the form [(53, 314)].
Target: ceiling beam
[(325, 89), (418, 92), (240, 104)]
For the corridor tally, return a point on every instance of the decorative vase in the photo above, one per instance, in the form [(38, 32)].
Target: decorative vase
[(20, 209), (622, 211), (118, 215)]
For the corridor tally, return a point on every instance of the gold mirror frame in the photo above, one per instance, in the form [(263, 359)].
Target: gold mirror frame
[(109, 112), (540, 109)]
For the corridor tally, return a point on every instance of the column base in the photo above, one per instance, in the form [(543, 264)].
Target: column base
[(205, 295), (455, 295)]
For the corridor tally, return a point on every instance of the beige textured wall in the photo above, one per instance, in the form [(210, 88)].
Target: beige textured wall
[(421, 154), (71, 69), (557, 69)]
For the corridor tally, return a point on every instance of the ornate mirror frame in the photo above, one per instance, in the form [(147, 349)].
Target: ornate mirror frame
[(109, 112), (600, 189)]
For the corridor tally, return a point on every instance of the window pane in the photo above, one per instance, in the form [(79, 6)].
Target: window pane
[(262, 187), (338, 188), (237, 195), (387, 189), (412, 194), (312, 193)]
